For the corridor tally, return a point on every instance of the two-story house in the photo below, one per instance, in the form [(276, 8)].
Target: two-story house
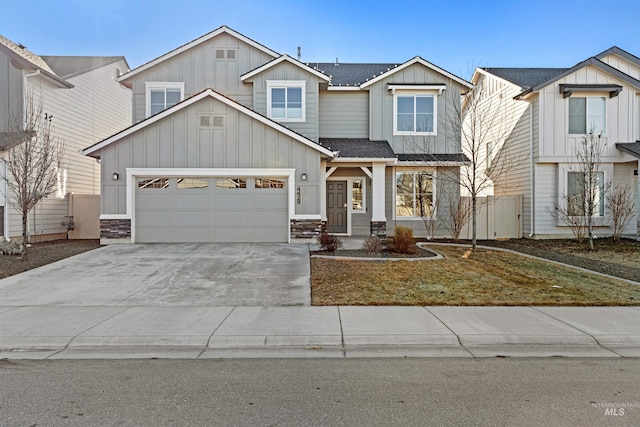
[(551, 111), (234, 142), (84, 102)]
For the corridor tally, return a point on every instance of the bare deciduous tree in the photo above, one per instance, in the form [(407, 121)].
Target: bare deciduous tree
[(460, 215), (620, 206), (582, 206), (33, 163)]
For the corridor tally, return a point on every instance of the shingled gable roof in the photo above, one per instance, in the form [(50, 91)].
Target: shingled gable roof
[(591, 61), (351, 74), (416, 60), (72, 66), (192, 100), (615, 50), (632, 148), (199, 40), (30, 60), (359, 148), (525, 78), (284, 58)]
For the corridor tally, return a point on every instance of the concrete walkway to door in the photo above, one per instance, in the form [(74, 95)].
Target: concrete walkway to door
[(145, 275)]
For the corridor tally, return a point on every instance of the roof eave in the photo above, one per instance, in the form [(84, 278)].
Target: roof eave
[(279, 60)]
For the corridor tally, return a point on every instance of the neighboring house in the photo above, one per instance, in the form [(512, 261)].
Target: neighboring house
[(550, 111), (82, 97), (233, 141)]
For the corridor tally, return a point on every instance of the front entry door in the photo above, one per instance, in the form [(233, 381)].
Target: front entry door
[(337, 206)]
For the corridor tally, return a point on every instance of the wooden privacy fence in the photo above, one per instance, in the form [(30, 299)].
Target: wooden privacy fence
[(498, 218), (85, 210)]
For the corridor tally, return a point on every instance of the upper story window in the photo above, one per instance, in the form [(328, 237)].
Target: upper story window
[(587, 115), (162, 95), (286, 100), (414, 114)]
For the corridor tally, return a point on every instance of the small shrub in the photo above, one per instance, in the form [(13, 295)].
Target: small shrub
[(373, 245), (329, 243), (403, 241)]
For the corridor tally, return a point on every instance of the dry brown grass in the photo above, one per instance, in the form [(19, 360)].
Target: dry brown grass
[(484, 277)]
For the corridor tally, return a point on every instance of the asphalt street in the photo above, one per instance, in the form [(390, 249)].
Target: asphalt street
[(295, 392)]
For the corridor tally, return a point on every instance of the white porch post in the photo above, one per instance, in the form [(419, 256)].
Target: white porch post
[(323, 190), (378, 192)]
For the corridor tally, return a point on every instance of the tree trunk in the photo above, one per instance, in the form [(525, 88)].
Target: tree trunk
[(24, 236), (473, 223)]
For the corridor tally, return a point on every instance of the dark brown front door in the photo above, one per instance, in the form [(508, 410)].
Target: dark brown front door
[(337, 206)]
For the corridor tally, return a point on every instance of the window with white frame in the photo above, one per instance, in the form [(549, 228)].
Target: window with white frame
[(585, 189), (414, 194), (358, 201), (162, 95), (286, 100), (587, 115), (414, 114)]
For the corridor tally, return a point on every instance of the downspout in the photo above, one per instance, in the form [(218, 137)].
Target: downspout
[(24, 118), (5, 189), (532, 175)]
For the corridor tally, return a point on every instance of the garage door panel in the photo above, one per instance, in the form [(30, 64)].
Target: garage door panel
[(186, 210), (154, 217), (192, 218), (199, 200), (192, 234), (154, 199), (153, 234), (269, 218), (269, 198), (232, 218), (232, 234), (239, 200)]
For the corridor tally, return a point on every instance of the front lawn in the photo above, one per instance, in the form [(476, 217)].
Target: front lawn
[(485, 277)]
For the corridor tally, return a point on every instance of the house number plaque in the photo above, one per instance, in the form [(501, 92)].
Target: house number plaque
[(298, 195)]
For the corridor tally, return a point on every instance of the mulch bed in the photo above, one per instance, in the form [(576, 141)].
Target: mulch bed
[(44, 253), (358, 253)]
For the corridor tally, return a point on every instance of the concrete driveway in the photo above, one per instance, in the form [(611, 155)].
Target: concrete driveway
[(224, 275)]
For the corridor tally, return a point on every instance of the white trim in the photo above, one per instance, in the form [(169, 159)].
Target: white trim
[(306, 216), (148, 86), (349, 88), (433, 164), (434, 188), (202, 39), (378, 192), (134, 173), (417, 60), (415, 94), (367, 171), (286, 84), (418, 87), (281, 59), (193, 100)]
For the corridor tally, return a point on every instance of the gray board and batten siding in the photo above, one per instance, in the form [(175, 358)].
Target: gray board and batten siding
[(199, 69), (179, 142)]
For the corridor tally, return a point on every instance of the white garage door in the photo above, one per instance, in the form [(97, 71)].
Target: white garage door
[(211, 209)]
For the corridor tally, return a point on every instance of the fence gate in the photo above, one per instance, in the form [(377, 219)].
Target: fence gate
[(85, 209), (497, 218)]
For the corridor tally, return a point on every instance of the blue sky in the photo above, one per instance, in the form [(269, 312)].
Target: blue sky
[(453, 34)]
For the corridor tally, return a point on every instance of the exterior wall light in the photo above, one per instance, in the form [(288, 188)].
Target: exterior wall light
[(303, 176), (115, 176)]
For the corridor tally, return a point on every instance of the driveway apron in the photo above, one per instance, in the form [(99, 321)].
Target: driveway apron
[(222, 274)]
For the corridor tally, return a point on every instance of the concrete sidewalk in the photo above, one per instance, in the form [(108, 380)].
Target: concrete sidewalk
[(54, 332)]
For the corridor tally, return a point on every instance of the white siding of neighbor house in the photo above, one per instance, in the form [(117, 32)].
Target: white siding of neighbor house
[(177, 141), (511, 134), (344, 114), (198, 69), (11, 81), (381, 112), (95, 108), (556, 144), (286, 71)]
